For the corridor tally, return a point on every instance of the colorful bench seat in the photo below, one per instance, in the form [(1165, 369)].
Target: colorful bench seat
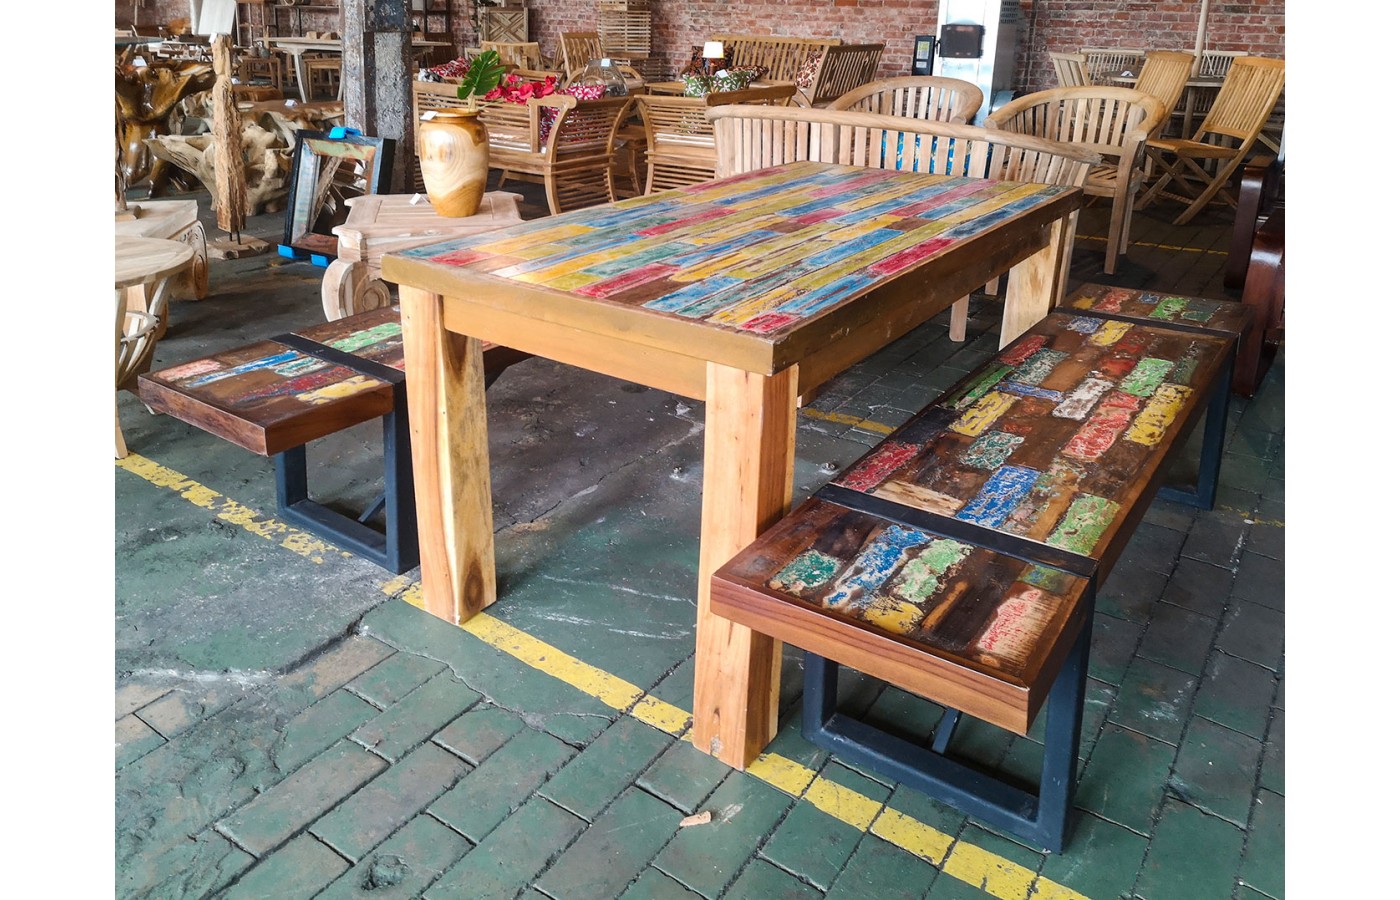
[(274, 396), (959, 558)]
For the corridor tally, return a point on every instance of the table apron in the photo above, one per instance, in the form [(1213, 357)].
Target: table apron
[(603, 353)]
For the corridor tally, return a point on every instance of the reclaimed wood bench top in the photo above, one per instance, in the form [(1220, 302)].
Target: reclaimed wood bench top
[(268, 397), (954, 558)]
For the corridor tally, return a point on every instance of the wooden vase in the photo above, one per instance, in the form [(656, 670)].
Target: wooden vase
[(454, 158)]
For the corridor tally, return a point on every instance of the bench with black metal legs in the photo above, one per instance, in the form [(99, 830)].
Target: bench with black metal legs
[(275, 396), (959, 558)]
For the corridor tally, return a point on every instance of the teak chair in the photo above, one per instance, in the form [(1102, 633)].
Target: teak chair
[(1071, 69), (931, 97), (755, 137), (520, 54), (681, 141), (1111, 121), (1226, 134), (574, 161), (1104, 64), (576, 48), (1164, 74), (843, 67)]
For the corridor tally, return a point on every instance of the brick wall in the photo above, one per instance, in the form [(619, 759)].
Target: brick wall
[(677, 25)]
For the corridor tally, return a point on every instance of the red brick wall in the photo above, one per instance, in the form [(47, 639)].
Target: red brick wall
[(1252, 25)]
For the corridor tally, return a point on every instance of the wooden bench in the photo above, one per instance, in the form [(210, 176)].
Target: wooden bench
[(959, 558), (275, 396)]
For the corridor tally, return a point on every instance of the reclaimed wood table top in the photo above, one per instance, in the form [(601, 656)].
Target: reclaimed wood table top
[(744, 292)]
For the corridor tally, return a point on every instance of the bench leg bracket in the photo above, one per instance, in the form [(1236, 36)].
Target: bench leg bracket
[(1042, 817), (396, 547)]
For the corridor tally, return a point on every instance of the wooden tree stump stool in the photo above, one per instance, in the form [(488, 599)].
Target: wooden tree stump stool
[(275, 396), (959, 558)]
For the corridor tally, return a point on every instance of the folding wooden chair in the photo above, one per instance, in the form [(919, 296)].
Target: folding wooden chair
[(1229, 130), (1164, 75)]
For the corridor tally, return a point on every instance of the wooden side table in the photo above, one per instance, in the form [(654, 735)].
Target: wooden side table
[(174, 220), (383, 223)]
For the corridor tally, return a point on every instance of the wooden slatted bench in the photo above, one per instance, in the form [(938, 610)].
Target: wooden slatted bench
[(959, 558), (273, 397)]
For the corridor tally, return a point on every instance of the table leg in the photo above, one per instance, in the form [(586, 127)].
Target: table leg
[(451, 471), (299, 69), (750, 435), (1036, 282)]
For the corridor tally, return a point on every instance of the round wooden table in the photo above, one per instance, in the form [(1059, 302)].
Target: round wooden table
[(144, 268)]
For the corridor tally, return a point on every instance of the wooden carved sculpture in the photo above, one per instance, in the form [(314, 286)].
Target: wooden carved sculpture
[(266, 141), (230, 180), (145, 97)]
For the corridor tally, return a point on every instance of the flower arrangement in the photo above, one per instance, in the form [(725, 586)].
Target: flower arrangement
[(514, 89), (482, 77)]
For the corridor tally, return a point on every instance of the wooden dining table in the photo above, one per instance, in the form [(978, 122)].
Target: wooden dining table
[(296, 47), (746, 292)]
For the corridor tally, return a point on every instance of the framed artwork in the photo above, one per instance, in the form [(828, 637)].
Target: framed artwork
[(328, 168)]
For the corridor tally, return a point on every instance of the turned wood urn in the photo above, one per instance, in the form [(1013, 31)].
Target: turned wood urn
[(454, 157)]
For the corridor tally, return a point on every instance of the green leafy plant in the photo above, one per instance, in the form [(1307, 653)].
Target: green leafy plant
[(482, 75)]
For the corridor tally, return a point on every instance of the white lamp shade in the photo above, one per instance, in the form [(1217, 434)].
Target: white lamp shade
[(713, 50)]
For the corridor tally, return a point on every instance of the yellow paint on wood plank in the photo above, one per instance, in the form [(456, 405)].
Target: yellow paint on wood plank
[(507, 246), (982, 414), (1110, 333)]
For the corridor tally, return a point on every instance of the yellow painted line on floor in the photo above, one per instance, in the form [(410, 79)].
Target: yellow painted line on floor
[(616, 692), (999, 877), (1251, 520), (1104, 239), (843, 419), (294, 539)]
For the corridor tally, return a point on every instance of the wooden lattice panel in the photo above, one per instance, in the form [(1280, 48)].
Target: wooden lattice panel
[(505, 23), (624, 27)]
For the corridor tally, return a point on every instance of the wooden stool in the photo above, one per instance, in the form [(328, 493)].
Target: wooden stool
[(275, 396), (253, 68)]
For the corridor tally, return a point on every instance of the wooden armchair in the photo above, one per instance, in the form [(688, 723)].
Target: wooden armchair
[(915, 97), (1255, 264), (1071, 69), (680, 139), (520, 54), (1110, 121), (576, 48), (1229, 130), (574, 161), (755, 137), (843, 67)]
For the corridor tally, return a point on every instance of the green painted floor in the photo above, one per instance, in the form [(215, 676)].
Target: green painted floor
[(289, 725)]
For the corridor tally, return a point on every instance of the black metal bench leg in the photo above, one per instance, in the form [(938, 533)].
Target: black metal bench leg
[(1042, 818), (1212, 449), (396, 547)]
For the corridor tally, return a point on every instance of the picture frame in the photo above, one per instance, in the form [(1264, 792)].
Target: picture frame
[(329, 167)]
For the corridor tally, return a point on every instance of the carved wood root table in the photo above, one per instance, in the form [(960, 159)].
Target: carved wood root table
[(747, 293), (383, 223)]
